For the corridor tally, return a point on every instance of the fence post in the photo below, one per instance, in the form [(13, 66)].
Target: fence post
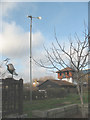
[(20, 96)]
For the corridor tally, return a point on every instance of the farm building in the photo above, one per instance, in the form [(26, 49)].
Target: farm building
[(55, 84), (56, 88)]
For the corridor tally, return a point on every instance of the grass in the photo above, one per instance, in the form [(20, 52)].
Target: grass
[(52, 103)]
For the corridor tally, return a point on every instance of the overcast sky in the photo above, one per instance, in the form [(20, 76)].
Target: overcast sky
[(66, 17)]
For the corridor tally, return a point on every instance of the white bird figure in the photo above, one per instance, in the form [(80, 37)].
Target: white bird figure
[(11, 69)]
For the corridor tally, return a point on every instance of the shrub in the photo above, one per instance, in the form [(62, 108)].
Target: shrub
[(38, 95), (72, 90), (56, 92)]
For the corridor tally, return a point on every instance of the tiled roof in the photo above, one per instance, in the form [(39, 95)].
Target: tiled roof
[(65, 69), (62, 82)]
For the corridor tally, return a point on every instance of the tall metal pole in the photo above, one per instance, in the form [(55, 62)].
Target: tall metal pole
[(31, 60), (31, 55)]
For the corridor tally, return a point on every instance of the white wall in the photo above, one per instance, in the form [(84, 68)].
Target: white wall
[(68, 79)]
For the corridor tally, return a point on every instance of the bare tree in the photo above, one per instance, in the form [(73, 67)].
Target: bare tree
[(77, 55), (43, 78)]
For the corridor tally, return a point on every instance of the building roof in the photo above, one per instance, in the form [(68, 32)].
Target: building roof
[(64, 82), (70, 69), (65, 69), (58, 82)]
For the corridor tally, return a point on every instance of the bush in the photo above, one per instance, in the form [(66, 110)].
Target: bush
[(26, 94), (50, 93), (36, 95), (56, 92), (72, 90)]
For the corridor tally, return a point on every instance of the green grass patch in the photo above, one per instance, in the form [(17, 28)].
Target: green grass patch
[(52, 103)]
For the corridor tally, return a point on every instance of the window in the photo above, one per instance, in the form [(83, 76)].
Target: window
[(60, 73), (67, 73)]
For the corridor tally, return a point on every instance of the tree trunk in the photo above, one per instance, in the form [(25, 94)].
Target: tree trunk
[(80, 92)]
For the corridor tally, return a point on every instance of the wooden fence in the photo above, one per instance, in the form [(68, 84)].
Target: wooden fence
[(12, 96)]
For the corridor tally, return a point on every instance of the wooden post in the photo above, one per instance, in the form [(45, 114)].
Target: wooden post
[(20, 96)]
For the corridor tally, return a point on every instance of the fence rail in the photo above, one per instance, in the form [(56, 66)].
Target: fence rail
[(12, 96)]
